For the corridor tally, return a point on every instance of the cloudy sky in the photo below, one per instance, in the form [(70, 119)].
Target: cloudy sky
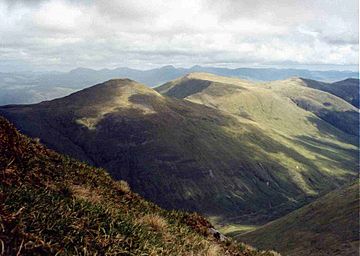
[(64, 34)]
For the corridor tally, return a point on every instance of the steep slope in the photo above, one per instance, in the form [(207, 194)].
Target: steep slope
[(185, 155), (327, 226), (53, 205), (347, 89), (326, 106)]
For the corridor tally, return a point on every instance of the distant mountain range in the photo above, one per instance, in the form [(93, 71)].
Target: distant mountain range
[(20, 88)]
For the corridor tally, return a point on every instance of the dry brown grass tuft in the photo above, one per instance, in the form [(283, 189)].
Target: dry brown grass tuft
[(123, 186), (274, 253), (213, 250), (85, 193), (154, 221)]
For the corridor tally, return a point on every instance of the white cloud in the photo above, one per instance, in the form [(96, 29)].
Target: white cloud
[(63, 34), (57, 16)]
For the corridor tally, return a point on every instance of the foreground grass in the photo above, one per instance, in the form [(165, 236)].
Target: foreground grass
[(53, 205)]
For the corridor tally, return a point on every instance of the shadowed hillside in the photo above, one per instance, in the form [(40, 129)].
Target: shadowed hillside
[(53, 205), (249, 161), (347, 89), (328, 226)]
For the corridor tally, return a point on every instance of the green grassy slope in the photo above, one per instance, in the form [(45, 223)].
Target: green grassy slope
[(327, 106), (53, 205), (243, 160), (273, 104), (314, 131), (328, 226)]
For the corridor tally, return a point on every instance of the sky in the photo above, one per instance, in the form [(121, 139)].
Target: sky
[(62, 34)]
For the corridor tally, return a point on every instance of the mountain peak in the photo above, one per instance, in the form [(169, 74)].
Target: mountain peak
[(199, 75), (114, 88), (197, 82), (93, 103), (119, 82), (349, 80), (216, 78)]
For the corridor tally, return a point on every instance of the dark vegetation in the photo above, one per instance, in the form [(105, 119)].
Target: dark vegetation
[(53, 205)]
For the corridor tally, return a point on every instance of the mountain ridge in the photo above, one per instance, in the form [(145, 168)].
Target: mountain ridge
[(174, 152), (327, 106)]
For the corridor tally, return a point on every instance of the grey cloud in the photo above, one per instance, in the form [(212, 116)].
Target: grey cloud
[(122, 10), (120, 33), (353, 40), (20, 3)]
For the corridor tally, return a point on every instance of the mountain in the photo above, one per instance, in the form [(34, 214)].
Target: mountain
[(264, 102), (311, 125), (315, 122), (347, 89), (239, 159), (326, 106), (34, 87), (54, 205), (327, 226)]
